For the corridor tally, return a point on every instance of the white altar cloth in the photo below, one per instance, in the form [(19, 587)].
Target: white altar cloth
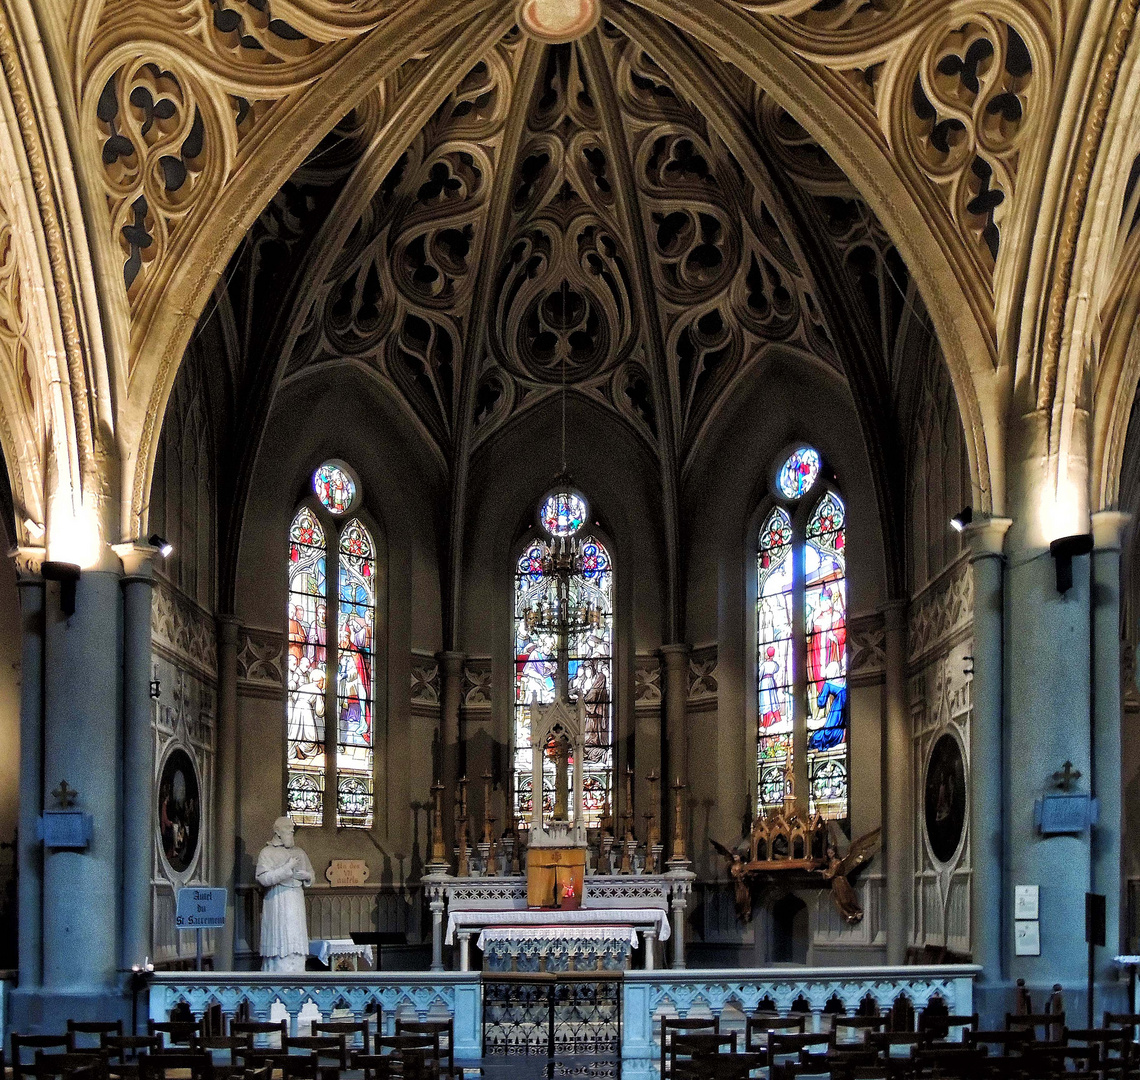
[(468, 920), (324, 949), (554, 933)]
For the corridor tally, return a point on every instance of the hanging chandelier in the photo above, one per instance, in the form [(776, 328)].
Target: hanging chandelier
[(562, 513)]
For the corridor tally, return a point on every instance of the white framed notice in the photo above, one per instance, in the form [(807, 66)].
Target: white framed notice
[(1026, 902), (1027, 937)]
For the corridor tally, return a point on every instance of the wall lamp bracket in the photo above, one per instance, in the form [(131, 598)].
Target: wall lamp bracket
[(67, 574), (1064, 549), (960, 520)]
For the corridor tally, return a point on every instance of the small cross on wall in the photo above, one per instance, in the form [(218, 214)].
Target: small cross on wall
[(64, 795), (1065, 778)]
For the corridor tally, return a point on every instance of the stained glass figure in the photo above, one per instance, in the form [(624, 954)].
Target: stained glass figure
[(775, 630), (334, 487), (825, 630), (307, 670), (563, 513), (590, 675), (356, 613), (799, 473)]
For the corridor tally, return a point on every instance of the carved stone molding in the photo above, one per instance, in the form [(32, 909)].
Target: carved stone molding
[(647, 682), (866, 649), (261, 658), (942, 612), (182, 631), (424, 683), (703, 674), (477, 683)]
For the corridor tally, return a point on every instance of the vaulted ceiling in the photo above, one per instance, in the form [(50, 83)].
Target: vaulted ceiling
[(571, 213)]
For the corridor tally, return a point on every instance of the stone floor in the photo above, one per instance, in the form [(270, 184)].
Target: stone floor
[(538, 1068)]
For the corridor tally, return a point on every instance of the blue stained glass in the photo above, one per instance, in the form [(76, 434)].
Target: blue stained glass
[(799, 473), (355, 629), (563, 513), (334, 487)]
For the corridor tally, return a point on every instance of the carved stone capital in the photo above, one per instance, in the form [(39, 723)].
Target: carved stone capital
[(138, 559), (451, 663), (29, 563), (986, 537), (1108, 529)]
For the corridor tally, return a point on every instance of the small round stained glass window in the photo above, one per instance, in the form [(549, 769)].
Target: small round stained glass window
[(335, 487), (562, 513), (799, 473)]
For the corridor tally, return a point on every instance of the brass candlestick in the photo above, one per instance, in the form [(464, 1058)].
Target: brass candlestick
[(678, 831), (650, 846), (487, 819), (438, 853), (653, 828), (627, 817), (463, 869)]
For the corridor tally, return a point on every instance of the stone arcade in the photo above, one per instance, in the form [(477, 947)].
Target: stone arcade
[(828, 309)]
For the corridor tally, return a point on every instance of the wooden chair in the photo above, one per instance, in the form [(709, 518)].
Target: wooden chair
[(328, 1051), (199, 1065), (254, 1030), (180, 1036), (766, 1025), (439, 1028), (1052, 1025), (938, 1025), (789, 1045), (98, 1029), (122, 1053), (68, 1066), (965, 1062), (20, 1043), (350, 1029), (375, 1066), (227, 1052), (671, 1025), (861, 1025)]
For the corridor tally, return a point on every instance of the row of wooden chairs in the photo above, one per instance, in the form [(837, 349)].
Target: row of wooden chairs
[(1030, 1047), (330, 1048)]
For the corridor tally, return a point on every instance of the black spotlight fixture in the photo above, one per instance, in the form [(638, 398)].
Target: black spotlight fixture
[(165, 547), (1064, 549), (67, 574), (961, 519)]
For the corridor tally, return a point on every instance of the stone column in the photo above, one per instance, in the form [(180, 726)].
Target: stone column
[(83, 689), (682, 886), (897, 794), (138, 753), (226, 823), (436, 894), (450, 696), (1107, 527), (675, 661), (988, 922), (29, 857)]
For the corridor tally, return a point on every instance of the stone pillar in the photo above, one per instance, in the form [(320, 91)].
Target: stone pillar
[(897, 783), (988, 922), (682, 886), (1107, 527), (29, 856), (138, 753), (436, 895), (226, 823), (83, 689), (675, 661), (1047, 642), (450, 696)]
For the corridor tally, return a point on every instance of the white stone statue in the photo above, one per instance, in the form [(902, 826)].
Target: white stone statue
[(284, 871)]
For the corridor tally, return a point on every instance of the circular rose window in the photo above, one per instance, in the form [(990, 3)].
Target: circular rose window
[(562, 513), (799, 473), (335, 487)]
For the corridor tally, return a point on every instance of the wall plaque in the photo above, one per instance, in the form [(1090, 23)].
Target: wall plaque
[(345, 873)]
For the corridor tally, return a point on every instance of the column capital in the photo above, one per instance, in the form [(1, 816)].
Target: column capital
[(138, 559), (451, 661), (986, 537), (29, 563), (894, 613), (674, 654), (1108, 528)]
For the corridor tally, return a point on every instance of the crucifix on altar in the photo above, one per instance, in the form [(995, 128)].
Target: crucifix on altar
[(557, 857)]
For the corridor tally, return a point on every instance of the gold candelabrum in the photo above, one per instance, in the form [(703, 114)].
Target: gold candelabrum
[(438, 852), (678, 829), (461, 832), (553, 611)]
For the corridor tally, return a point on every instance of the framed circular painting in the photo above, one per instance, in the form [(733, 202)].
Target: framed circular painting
[(179, 810), (945, 797)]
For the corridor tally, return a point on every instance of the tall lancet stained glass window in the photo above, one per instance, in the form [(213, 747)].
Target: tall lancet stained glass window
[(802, 640), (308, 669), (589, 670), (331, 630), (356, 616)]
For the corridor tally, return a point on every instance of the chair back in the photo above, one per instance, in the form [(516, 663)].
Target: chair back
[(324, 1049), (175, 1034), (350, 1029), (259, 1033), (67, 1065), (20, 1043), (861, 1026), (199, 1065), (1051, 1024), (97, 1029), (670, 1025), (438, 1028), (375, 1066), (124, 1048)]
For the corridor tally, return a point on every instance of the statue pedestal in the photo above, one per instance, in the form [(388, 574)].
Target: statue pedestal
[(555, 877)]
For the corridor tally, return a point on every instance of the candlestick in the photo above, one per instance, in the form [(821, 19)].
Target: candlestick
[(438, 852), (627, 817), (653, 829), (487, 819), (678, 831)]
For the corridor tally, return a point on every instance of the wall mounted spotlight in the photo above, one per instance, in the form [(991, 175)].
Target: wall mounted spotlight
[(67, 574), (1064, 549), (961, 519), (165, 547)]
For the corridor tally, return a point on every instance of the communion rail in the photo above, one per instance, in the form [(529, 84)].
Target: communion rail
[(730, 995)]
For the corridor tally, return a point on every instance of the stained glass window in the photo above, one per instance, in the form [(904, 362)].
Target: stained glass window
[(331, 665), (334, 487), (775, 634), (356, 613), (308, 667), (825, 629), (589, 670), (563, 513), (802, 667), (799, 473)]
